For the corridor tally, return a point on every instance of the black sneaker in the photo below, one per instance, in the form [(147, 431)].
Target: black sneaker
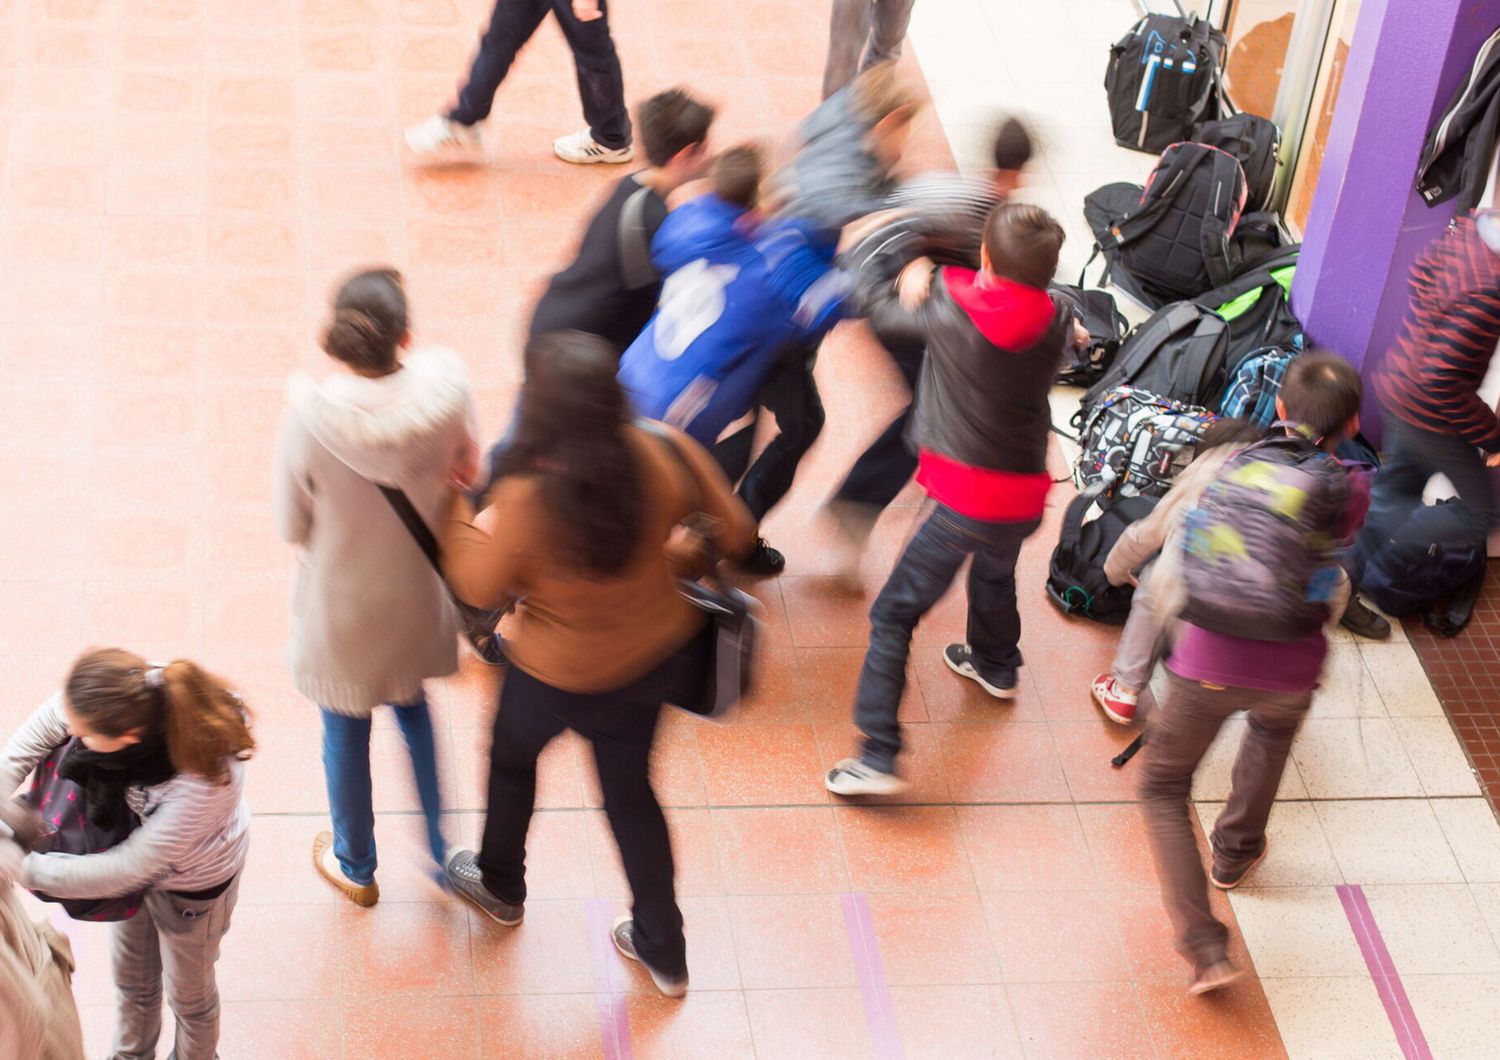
[(465, 878), (1363, 622), (624, 936), (960, 659), (1228, 881), (763, 560)]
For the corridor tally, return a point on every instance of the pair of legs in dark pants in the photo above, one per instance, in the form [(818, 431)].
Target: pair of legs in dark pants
[(620, 725), (601, 84), (1180, 732), (922, 575), (1412, 457), (791, 395), (884, 469)]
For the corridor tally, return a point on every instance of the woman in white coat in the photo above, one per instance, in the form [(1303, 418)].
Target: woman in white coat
[(371, 618)]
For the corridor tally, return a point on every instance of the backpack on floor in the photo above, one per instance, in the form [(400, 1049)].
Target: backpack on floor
[(1255, 142), (1257, 304), (1106, 325), (1163, 78), (1256, 383), (1177, 354), (1134, 443), (1258, 557), (1438, 550), (1177, 240), (1075, 577)]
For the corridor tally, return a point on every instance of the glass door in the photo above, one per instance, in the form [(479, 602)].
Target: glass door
[(1325, 96)]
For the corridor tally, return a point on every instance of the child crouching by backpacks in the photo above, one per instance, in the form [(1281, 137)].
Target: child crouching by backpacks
[(1134, 560), (1260, 572)]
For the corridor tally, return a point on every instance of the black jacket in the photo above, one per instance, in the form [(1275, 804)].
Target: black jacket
[(1460, 150), (977, 403)]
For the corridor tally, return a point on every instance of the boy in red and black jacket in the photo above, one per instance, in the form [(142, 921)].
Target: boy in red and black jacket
[(980, 425)]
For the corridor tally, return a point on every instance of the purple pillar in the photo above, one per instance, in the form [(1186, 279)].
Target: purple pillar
[(1367, 223)]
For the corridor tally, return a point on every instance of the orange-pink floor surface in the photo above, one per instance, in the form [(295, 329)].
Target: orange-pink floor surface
[(184, 180)]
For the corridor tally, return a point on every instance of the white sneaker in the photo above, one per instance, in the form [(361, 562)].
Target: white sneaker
[(853, 777), (438, 134), (581, 149)]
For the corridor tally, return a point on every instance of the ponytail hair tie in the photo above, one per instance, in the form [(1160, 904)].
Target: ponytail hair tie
[(154, 677)]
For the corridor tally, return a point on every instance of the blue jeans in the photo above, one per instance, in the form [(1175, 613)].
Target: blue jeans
[(346, 768), (922, 575)]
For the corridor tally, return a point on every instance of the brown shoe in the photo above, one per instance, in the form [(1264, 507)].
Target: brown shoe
[(1218, 974), (1228, 880), (328, 867)]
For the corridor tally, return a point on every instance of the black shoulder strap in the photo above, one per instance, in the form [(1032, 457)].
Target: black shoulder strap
[(1149, 337), (415, 525), (635, 242)]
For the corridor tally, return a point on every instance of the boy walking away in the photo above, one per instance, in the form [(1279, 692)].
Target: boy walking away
[(1147, 556), (940, 215), (863, 33), (1261, 576), (1436, 423), (585, 25), (993, 339), (736, 293)]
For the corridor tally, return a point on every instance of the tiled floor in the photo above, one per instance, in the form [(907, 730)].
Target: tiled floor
[(182, 182)]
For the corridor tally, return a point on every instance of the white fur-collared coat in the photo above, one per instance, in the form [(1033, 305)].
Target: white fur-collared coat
[(370, 617)]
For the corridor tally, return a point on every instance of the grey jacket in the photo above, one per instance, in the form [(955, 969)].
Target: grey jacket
[(833, 178)]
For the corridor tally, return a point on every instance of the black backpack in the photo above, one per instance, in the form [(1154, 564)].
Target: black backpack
[(1255, 142), (1177, 239), (1257, 305), (1075, 578), (1164, 78), (1433, 555), (1177, 354), (1106, 325)]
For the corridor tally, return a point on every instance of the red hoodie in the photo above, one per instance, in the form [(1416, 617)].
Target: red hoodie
[(1013, 317)]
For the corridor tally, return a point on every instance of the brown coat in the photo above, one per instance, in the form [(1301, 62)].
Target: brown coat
[(583, 634), (38, 1017)]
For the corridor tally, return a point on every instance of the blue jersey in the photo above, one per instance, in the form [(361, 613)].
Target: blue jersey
[(735, 295)]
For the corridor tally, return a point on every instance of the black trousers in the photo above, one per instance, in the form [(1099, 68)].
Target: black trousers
[(601, 85), (621, 726), (884, 469), (791, 395)]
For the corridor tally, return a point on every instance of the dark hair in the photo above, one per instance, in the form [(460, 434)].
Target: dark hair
[(369, 321), (573, 424), (1013, 145), (671, 122), (1229, 430), (204, 723), (1322, 392), (1023, 242), (737, 175)]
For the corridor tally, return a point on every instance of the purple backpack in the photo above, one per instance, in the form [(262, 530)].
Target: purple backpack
[(65, 829), (1259, 557)]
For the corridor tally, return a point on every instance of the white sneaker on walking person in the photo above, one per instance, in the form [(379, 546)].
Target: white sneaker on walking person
[(582, 149), (438, 134)]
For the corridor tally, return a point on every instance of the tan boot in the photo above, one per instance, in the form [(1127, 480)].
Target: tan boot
[(328, 867)]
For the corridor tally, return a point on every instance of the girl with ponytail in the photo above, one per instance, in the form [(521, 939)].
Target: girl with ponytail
[(166, 743)]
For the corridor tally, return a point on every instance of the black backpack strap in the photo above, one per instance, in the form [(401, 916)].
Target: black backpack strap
[(415, 525), (636, 268), (1149, 336), (1175, 176)]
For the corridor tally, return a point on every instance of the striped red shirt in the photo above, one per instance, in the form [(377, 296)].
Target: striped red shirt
[(1431, 377)]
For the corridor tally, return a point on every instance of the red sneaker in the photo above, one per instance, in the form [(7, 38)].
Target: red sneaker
[(1117, 703)]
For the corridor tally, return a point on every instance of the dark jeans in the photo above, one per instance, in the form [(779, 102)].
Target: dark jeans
[(1412, 457), (884, 469), (791, 395), (601, 85), (1181, 730), (620, 725), (922, 575)]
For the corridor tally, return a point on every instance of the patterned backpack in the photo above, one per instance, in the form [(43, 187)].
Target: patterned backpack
[(1134, 443), (1258, 553), (1256, 383)]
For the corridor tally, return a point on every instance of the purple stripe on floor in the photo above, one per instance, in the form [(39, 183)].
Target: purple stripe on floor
[(880, 1014), (609, 983), (1383, 970)]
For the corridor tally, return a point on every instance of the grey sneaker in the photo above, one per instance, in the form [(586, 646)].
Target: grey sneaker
[(853, 777), (624, 935), (960, 659), (464, 876)]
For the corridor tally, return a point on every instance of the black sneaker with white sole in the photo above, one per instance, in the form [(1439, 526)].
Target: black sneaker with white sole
[(465, 878), (960, 659), (624, 935)]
